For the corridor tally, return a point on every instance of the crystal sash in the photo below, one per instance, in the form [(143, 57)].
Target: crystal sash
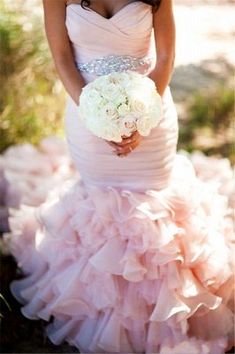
[(115, 63)]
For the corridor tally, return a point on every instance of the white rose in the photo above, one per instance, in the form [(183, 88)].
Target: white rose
[(144, 126), (111, 92), (128, 124), (110, 132), (123, 109), (126, 80), (100, 82), (140, 93), (138, 106), (118, 78), (156, 109), (91, 99), (110, 111)]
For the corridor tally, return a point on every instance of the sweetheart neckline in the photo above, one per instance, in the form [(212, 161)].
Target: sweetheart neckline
[(114, 15)]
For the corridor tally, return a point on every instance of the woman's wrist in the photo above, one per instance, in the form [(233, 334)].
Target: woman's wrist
[(160, 85), (161, 75), (75, 93)]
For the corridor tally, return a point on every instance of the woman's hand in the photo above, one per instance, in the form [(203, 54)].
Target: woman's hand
[(127, 145)]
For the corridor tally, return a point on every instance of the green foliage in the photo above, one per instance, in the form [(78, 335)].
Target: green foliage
[(209, 121), (31, 96), (213, 108)]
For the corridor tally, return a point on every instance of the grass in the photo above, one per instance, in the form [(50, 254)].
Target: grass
[(31, 96), (209, 122)]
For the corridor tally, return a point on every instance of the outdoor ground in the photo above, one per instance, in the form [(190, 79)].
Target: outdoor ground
[(205, 56)]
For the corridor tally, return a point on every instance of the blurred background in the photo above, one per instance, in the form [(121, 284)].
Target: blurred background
[(32, 101)]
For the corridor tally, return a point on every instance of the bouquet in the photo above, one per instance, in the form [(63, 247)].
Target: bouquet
[(115, 105)]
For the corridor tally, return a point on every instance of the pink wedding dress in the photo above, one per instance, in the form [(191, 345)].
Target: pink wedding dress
[(135, 257)]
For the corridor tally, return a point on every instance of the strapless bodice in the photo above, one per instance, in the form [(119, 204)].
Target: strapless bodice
[(128, 33)]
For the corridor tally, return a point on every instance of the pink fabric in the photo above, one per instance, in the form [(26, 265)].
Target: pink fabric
[(136, 256)]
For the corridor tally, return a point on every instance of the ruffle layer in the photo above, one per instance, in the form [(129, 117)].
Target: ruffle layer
[(121, 271), (28, 174)]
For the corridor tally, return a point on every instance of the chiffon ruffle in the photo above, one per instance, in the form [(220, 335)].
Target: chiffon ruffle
[(122, 271)]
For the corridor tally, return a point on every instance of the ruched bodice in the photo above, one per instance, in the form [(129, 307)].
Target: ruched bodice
[(129, 32)]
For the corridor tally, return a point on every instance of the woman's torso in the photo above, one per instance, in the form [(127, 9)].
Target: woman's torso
[(128, 33)]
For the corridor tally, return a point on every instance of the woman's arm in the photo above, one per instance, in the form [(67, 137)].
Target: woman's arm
[(164, 31), (54, 15)]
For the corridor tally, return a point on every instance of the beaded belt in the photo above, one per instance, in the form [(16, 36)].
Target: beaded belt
[(115, 63)]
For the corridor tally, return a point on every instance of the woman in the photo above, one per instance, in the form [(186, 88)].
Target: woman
[(135, 256)]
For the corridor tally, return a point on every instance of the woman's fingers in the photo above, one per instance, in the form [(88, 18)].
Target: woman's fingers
[(125, 141), (127, 145), (121, 144), (127, 149), (130, 146), (128, 140)]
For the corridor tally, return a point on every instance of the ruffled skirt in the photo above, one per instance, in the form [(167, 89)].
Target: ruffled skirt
[(123, 271)]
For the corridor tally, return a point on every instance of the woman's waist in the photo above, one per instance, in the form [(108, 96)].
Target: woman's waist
[(104, 65), (93, 63), (99, 166), (96, 161)]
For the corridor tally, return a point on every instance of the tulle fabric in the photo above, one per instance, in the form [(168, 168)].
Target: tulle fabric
[(141, 272)]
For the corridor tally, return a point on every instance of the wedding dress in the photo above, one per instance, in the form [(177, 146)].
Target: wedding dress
[(136, 256)]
